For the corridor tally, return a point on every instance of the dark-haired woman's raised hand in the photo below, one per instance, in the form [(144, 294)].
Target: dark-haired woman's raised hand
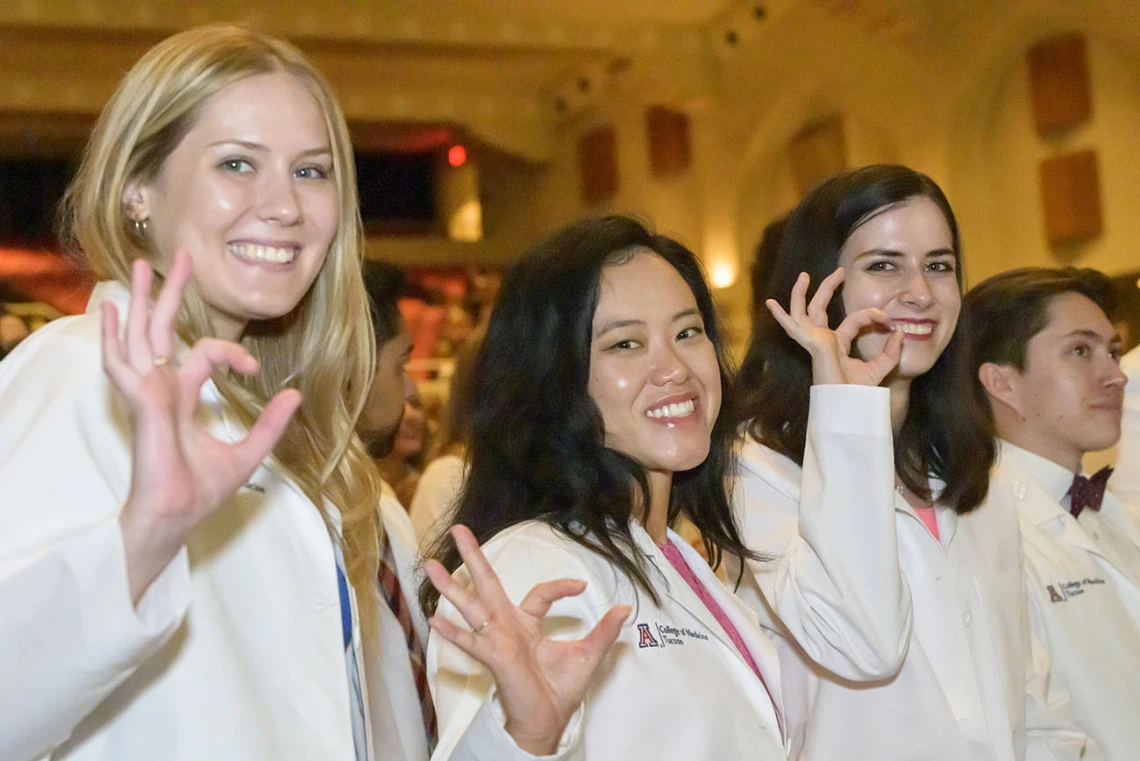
[(830, 350), (541, 681), (179, 472)]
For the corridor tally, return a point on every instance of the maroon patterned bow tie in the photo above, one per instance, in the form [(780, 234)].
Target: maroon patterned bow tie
[(1088, 492)]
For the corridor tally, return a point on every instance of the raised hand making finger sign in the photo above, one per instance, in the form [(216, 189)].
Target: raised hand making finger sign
[(179, 472), (830, 350), (541, 681)]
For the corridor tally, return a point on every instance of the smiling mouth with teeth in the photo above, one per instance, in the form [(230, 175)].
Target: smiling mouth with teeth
[(914, 329), (678, 409), (256, 253)]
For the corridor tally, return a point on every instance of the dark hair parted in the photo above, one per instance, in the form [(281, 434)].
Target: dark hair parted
[(536, 448), (944, 434), (1008, 309), (384, 283)]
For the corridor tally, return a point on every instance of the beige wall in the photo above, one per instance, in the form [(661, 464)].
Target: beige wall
[(941, 86), (998, 178)]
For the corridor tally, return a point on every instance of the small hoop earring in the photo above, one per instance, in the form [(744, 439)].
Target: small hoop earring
[(141, 226)]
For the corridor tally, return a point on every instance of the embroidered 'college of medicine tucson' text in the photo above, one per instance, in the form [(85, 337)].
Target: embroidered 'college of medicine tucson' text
[(666, 635), (1062, 591)]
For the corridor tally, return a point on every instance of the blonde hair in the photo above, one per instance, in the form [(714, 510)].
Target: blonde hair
[(325, 346)]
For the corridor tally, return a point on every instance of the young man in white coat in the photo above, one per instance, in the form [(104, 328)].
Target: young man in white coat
[(1047, 362), (410, 733)]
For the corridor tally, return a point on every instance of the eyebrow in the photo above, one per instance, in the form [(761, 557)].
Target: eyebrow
[(891, 253), (259, 148), (1092, 334), (616, 324)]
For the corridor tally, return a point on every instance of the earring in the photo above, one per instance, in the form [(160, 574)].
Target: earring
[(141, 226)]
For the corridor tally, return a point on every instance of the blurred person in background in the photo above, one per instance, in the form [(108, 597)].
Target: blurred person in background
[(402, 466), (13, 330), (401, 685), (442, 480)]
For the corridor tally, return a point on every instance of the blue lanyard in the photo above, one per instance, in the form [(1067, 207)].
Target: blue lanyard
[(345, 604)]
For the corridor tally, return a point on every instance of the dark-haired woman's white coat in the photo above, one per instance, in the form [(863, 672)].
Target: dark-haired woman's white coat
[(858, 578), (672, 687)]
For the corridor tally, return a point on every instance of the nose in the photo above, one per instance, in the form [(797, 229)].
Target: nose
[(916, 291), (277, 198), (1115, 377), (669, 367)]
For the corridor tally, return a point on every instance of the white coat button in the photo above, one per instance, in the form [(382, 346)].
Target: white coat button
[(967, 618), (1019, 490)]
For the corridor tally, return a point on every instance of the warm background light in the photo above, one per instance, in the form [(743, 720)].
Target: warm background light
[(722, 274)]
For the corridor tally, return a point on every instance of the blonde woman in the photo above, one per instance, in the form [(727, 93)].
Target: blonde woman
[(187, 526)]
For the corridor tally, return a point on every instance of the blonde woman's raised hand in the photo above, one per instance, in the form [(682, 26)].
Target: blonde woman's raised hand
[(179, 472), (830, 350), (541, 681)]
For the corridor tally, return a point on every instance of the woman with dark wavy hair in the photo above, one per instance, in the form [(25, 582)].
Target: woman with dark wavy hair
[(896, 576), (584, 625)]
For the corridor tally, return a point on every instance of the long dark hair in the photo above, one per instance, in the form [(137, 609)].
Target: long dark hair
[(945, 434), (536, 446)]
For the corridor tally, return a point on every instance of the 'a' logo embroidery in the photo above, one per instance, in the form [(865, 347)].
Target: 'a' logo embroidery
[(647, 639)]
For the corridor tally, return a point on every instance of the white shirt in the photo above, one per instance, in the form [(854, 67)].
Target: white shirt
[(1083, 603), (967, 687), (672, 687), (236, 651), (435, 496)]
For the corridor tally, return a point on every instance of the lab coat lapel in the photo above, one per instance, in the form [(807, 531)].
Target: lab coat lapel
[(1123, 517), (1042, 510), (676, 589), (679, 592)]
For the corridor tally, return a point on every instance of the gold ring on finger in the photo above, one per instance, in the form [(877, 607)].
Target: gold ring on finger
[(479, 629), (161, 360)]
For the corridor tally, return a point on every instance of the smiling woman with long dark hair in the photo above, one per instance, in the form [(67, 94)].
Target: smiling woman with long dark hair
[(896, 575), (596, 424)]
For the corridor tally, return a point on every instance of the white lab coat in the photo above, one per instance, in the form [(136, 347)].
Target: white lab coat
[(673, 686), (1084, 599), (236, 651), (436, 493), (398, 729), (841, 537)]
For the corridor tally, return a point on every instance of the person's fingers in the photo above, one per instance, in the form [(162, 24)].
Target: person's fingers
[(201, 361), (114, 360), (888, 358), (266, 432), (486, 581), (161, 331), (539, 599), (465, 600), (794, 329), (601, 638), (139, 352), (797, 308), (854, 324), (817, 309), (783, 318), (465, 639)]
